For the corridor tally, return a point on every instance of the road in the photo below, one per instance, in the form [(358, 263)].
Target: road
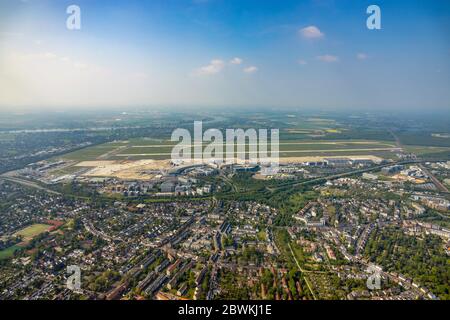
[(28, 184), (228, 181)]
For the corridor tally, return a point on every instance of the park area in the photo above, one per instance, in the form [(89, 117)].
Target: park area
[(27, 234), (32, 231)]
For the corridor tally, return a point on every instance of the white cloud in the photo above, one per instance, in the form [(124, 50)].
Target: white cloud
[(215, 66), (311, 32), (361, 56), (302, 62), (328, 58), (251, 69), (236, 61), (218, 65)]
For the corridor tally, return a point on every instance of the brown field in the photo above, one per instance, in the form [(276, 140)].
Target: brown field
[(135, 170)]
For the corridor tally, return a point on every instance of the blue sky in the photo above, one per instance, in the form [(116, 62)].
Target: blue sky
[(302, 54)]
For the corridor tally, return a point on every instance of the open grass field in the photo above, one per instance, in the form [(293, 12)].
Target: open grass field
[(32, 231), (423, 150), (27, 233), (424, 139), (91, 153), (8, 252)]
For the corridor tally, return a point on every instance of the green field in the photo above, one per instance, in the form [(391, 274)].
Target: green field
[(32, 231), (423, 150), (424, 139), (8, 252), (90, 153), (27, 233)]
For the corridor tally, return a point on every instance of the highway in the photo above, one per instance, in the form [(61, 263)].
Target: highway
[(28, 183)]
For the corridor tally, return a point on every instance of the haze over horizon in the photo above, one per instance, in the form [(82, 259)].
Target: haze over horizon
[(211, 53)]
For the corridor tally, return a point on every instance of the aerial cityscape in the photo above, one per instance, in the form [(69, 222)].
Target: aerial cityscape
[(130, 173), (351, 193)]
